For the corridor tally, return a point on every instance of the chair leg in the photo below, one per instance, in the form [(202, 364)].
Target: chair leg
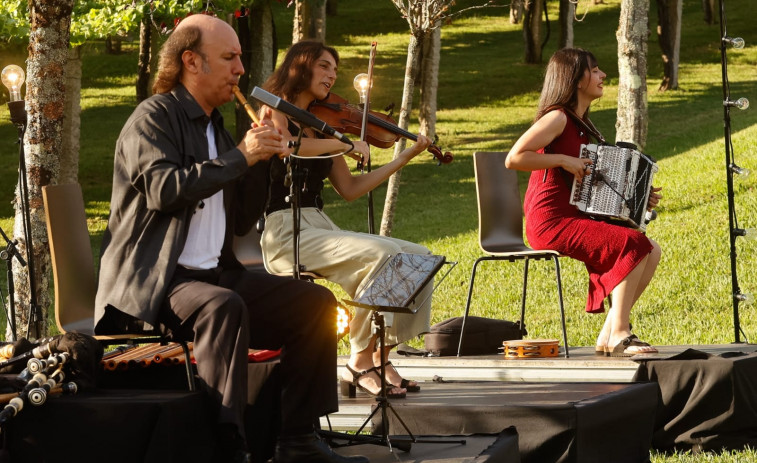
[(562, 307), (467, 303), (523, 299), (188, 365)]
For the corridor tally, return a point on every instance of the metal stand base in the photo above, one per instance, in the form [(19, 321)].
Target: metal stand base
[(402, 443)]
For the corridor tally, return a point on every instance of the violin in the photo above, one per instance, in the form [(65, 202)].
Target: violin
[(381, 130)]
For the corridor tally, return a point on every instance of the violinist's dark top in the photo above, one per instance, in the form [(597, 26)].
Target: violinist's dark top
[(314, 171)]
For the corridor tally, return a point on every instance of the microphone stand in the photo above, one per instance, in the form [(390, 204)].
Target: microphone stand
[(18, 117), (7, 255), (295, 177)]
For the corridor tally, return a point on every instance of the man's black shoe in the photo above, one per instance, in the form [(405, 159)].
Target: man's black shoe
[(230, 446), (308, 448), (241, 456)]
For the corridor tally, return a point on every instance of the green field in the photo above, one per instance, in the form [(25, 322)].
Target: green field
[(487, 98)]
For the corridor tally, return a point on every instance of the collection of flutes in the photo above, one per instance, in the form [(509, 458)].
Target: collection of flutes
[(6, 352), (44, 377), (130, 356)]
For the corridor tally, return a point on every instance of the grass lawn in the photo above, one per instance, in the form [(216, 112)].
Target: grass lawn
[(487, 98)]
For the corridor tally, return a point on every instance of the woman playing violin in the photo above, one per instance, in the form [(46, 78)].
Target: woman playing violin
[(348, 258)]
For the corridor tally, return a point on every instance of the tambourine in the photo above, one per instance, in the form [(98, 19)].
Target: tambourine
[(531, 348)]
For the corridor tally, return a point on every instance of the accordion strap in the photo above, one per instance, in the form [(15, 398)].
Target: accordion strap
[(584, 124)]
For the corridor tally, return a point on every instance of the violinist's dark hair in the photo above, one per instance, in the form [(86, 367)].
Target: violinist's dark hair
[(564, 70), (296, 71)]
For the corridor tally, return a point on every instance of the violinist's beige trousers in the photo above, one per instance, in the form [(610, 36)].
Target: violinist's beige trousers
[(348, 259)]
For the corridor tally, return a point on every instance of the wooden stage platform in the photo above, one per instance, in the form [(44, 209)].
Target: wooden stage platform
[(581, 367), (554, 421), (557, 406)]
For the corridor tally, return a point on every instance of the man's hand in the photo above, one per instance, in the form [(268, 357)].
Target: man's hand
[(262, 141)]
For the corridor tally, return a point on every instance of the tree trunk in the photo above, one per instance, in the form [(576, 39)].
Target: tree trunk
[(332, 7), (156, 41), (315, 15), (531, 30), (430, 56), (393, 187), (516, 11), (708, 6), (240, 113), (69, 158), (257, 35), (669, 36), (113, 45), (567, 13), (632, 34), (143, 63), (49, 22), (298, 32), (309, 20)]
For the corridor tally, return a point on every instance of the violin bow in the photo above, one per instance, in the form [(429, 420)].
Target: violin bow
[(366, 110)]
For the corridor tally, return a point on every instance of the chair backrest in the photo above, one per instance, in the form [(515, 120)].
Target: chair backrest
[(72, 260), (500, 213)]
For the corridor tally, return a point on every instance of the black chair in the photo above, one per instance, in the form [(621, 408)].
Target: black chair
[(500, 229), (74, 271)]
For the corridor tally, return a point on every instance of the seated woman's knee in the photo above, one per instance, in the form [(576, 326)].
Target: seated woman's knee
[(656, 252)]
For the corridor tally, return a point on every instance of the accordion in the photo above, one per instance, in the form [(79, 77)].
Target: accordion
[(618, 185)]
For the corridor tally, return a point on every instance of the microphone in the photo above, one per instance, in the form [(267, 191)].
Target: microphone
[(299, 115)]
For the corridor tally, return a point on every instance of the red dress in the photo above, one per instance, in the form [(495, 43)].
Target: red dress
[(609, 251)]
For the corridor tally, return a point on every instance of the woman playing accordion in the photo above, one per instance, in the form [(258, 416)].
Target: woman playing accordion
[(619, 259)]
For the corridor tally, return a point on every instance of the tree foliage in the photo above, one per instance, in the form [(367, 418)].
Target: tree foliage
[(97, 19), (53, 28)]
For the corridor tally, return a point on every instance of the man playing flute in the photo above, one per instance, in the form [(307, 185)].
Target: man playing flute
[(181, 189)]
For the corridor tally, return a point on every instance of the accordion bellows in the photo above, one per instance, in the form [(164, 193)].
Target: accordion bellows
[(617, 186)]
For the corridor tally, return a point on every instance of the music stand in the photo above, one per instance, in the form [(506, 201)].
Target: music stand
[(393, 288)]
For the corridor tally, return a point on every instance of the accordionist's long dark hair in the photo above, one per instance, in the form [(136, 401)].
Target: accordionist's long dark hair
[(564, 70)]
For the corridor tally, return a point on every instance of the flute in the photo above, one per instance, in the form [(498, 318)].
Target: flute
[(247, 107)]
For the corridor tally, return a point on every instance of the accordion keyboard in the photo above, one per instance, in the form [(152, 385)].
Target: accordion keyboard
[(617, 185)]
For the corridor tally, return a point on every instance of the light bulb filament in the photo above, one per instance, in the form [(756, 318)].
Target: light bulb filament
[(362, 84), (13, 79)]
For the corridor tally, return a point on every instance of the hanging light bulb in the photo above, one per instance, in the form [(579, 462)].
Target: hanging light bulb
[(740, 171), (361, 84), (13, 79), (749, 234), (742, 103), (734, 42)]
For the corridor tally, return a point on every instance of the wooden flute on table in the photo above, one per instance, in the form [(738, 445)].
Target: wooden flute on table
[(144, 356)]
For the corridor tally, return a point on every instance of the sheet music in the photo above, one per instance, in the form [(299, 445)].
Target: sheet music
[(399, 280)]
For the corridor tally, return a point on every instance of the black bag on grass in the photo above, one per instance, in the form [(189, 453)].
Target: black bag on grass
[(483, 336)]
